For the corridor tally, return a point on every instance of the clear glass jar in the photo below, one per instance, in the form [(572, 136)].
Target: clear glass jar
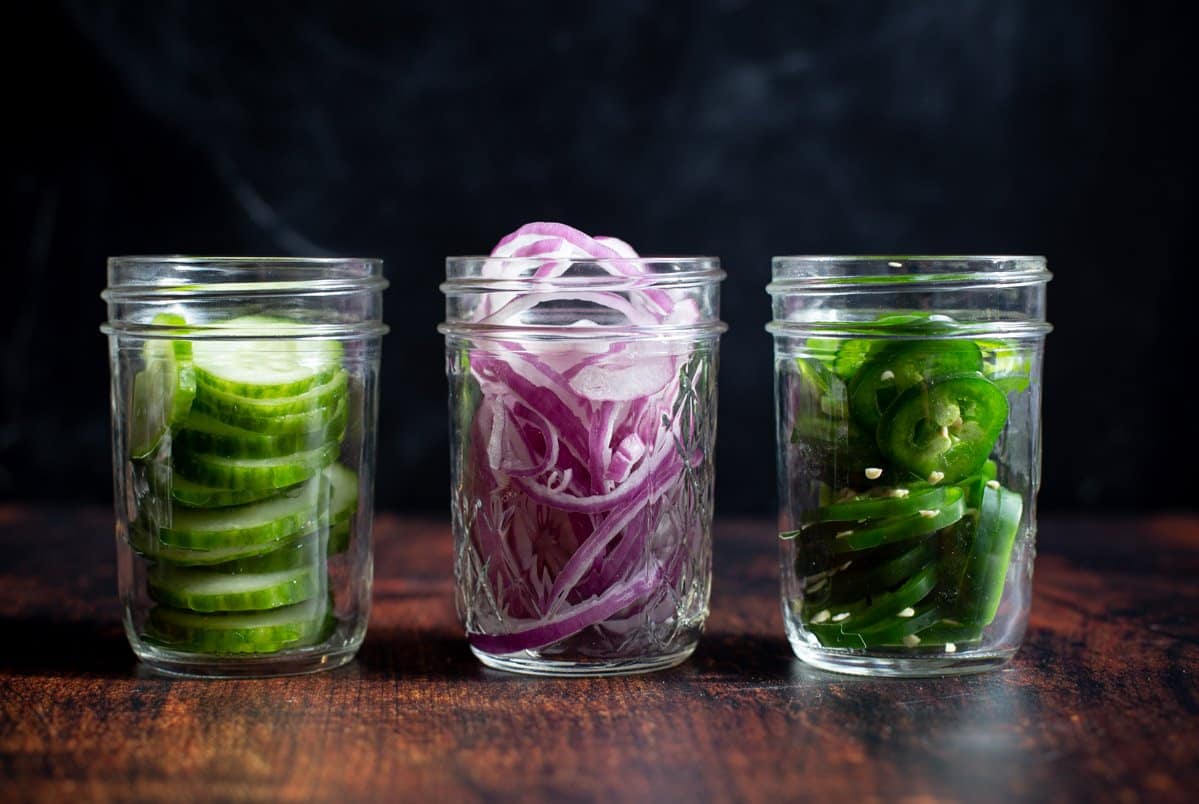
[(244, 399), (908, 395), (583, 419)]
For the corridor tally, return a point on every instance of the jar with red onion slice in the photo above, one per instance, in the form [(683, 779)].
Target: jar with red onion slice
[(583, 418)]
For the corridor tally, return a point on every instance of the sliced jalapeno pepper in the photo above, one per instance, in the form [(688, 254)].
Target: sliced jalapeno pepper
[(860, 616), (882, 504), (949, 631), (863, 536), (900, 366), (868, 582), (989, 556), (1006, 365), (947, 428)]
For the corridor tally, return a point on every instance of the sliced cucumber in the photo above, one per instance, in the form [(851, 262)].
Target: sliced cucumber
[(234, 409), (255, 473), (163, 391), (266, 369), (272, 520), (251, 632), (199, 495), (343, 499), (292, 554), (209, 590), (141, 540), (205, 434)]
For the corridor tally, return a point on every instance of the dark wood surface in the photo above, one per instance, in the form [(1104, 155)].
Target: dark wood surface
[(1102, 702)]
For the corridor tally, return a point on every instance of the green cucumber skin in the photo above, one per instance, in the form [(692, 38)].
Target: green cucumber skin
[(198, 495), (205, 434), (201, 589), (262, 522), (234, 409), (213, 383), (284, 628), (290, 424), (255, 473)]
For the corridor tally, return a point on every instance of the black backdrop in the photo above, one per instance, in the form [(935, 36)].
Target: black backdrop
[(413, 130)]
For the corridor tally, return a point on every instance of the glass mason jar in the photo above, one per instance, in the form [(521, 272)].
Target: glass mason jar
[(583, 419), (908, 395), (244, 398)]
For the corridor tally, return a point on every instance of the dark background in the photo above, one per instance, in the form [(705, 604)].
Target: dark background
[(410, 131)]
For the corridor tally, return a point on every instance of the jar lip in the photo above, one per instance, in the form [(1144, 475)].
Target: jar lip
[(890, 270), (481, 273), (186, 277), (243, 261)]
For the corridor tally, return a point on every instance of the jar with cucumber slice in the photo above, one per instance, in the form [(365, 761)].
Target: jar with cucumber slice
[(908, 409), (244, 401)]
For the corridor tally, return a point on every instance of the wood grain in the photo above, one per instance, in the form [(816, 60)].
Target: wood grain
[(1100, 704)]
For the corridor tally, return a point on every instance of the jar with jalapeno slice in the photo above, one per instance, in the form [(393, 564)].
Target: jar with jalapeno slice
[(908, 435)]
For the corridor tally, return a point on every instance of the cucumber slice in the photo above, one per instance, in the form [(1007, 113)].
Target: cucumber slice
[(253, 632), (234, 409), (198, 495), (204, 434), (255, 473), (343, 501), (141, 540), (163, 391), (209, 590), (262, 522), (260, 369)]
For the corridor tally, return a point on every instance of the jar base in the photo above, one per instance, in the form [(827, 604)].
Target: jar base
[(920, 666), (185, 665), (531, 664)]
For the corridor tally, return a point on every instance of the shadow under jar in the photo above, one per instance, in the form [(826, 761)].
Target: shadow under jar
[(244, 398), (908, 395), (583, 420)]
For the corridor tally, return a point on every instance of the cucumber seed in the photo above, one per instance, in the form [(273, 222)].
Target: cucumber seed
[(936, 477), (842, 616), (873, 473), (929, 513), (820, 617), (908, 612), (993, 484), (950, 647), (911, 641)]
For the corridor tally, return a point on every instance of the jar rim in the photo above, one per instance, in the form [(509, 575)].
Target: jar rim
[(188, 277), (469, 274), (861, 273)]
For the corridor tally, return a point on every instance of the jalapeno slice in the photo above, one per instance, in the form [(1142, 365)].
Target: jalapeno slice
[(944, 431), (881, 504), (989, 554), (862, 615), (900, 366), (863, 536), (859, 581)]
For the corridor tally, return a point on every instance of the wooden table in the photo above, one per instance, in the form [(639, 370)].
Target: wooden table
[(1101, 703)]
